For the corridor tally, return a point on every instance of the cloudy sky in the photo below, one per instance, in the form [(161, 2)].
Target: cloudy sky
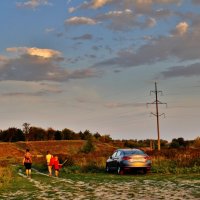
[(92, 64)]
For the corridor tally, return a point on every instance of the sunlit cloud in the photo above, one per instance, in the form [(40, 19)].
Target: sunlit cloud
[(45, 53), (34, 64), (80, 21), (3, 59), (181, 28), (99, 3), (32, 4)]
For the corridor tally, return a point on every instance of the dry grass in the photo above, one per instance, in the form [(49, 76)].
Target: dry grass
[(6, 176)]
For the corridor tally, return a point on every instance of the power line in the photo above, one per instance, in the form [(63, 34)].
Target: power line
[(157, 102)]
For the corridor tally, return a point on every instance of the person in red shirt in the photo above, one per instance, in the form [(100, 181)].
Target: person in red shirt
[(57, 166), (51, 164)]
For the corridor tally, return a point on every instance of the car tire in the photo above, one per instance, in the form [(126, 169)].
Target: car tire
[(144, 171), (120, 170)]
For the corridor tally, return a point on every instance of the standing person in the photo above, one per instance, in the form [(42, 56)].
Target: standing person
[(48, 158), (51, 164), (57, 166), (27, 162)]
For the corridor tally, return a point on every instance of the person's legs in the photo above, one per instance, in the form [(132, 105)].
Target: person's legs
[(50, 170), (29, 172), (56, 173)]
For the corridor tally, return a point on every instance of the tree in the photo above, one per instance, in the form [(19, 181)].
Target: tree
[(51, 134), (174, 143), (37, 134), (68, 134), (58, 135), (26, 128), (105, 138), (97, 136), (197, 142)]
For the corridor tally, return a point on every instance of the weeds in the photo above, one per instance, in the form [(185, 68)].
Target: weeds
[(6, 176)]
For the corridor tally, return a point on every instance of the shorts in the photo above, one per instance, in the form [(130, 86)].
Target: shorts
[(27, 165)]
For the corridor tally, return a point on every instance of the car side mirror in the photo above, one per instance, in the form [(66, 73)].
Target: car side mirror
[(111, 157)]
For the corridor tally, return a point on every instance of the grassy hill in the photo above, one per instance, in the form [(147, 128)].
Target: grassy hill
[(14, 152)]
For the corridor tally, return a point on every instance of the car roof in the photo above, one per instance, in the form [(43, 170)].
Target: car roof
[(128, 149)]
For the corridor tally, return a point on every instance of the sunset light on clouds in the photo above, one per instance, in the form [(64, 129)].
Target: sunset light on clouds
[(92, 64)]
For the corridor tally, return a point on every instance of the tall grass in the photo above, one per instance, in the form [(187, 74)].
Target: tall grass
[(173, 161), (169, 161), (6, 176)]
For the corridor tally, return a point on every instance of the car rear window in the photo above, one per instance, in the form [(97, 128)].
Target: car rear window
[(137, 152)]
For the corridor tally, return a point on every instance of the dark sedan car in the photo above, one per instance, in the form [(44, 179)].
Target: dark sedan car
[(128, 159)]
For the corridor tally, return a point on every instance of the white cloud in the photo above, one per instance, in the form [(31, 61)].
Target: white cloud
[(80, 21), (71, 9), (151, 22)]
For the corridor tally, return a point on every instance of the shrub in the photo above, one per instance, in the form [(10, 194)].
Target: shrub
[(88, 147)]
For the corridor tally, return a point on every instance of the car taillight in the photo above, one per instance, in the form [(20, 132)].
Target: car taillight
[(147, 158), (126, 158)]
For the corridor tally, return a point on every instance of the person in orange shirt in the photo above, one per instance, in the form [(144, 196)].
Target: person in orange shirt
[(27, 162)]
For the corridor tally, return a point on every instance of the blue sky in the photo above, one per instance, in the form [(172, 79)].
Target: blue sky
[(91, 65)]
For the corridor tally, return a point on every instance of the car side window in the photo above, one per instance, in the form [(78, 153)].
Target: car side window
[(114, 154), (118, 154)]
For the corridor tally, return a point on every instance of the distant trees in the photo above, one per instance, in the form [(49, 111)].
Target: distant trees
[(145, 143), (31, 133), (179, 142), (12, 135), (37, 134)]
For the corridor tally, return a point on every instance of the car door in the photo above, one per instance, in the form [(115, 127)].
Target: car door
[(116, 159), (112, 158)]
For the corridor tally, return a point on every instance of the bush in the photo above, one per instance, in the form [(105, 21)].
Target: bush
[(88, 147)]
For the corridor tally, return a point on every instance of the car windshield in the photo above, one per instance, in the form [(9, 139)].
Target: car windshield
[(131, 152)]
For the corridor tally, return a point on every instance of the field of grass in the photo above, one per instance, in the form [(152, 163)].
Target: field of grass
[(175, 174), (101, 185)]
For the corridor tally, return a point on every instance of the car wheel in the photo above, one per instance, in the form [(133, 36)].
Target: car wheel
[(120, 170), (107, 169), (144, 171)]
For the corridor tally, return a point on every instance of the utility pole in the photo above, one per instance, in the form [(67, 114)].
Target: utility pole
[(157, 102)]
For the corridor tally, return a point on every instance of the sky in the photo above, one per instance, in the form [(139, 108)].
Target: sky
[(92, 64)]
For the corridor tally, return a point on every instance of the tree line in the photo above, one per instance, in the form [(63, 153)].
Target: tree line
[(32, 133)]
